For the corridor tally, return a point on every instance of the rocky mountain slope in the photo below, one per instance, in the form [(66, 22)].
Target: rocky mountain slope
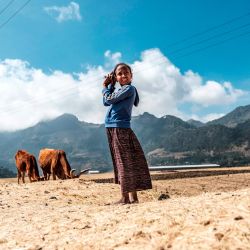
[(166, 140)]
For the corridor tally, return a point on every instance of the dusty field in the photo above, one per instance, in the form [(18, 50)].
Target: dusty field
[(201, 213)]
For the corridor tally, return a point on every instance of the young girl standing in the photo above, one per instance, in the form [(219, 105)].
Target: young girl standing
[(130, 166)]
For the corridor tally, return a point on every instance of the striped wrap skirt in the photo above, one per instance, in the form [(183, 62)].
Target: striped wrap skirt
[(130, 165)]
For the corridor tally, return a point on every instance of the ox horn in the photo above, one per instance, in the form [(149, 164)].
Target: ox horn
[(84, 171), (72, 173), (81, 172)]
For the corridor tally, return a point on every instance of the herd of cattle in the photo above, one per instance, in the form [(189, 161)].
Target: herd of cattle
[(52, 162)]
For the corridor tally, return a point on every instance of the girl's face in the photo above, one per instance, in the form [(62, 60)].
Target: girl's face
[(123, 75)]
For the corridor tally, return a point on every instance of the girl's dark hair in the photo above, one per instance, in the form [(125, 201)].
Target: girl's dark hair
[(122, 64), (136, 102)]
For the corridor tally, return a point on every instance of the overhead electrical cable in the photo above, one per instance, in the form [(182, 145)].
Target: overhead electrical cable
[(94, 79), (14, 14), (209, 39), (208, 30), (204, 48), (6, 7), (34, 101), (233, 20)]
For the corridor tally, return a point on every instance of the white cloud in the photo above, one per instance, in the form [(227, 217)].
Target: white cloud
[(207, 118), (164, 88), (211, 117), (29, 95), (65, 13), (213, 93), (112, 59)]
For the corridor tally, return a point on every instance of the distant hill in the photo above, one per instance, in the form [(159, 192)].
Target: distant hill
[(195, 123), (84, 143), (232, 119), (6, 173), (165, 140), (157, 132)]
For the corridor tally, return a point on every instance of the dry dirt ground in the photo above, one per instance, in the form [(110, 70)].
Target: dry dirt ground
[(202, 213)]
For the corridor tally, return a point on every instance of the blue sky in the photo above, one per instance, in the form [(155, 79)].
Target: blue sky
[(91, 36)]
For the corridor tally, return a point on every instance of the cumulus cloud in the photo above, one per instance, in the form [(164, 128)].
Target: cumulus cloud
[(112, 59), (208, 117), (164, 88), (212, 93), (29, 95), (65, 13)]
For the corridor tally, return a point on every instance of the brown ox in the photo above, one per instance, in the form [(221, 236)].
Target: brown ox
[(26, 162), (53, 161)]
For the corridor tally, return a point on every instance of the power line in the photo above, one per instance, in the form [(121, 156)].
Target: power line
[(14, 14), (156, 64), (208, 30), (6, 7), (210, 38), (173, 52), (198, 50), (34, 101), (203, 41), (212, 45)]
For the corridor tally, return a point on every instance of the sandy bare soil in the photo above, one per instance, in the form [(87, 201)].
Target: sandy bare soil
[(202, 213)]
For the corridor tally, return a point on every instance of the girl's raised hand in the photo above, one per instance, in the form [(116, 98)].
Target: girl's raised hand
[(108, 79)]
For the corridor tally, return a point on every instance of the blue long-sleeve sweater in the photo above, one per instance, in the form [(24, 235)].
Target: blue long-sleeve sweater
[(120, 104)]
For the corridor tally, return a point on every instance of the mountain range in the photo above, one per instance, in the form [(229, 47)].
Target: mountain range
[(167, 140)]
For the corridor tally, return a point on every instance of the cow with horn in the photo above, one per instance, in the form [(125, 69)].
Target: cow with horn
[(54, 162)]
